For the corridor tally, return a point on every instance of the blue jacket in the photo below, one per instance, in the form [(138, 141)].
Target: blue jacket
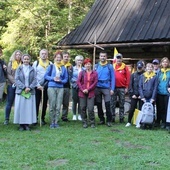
[(148, 90), (106, 76), (51, 73), (162, 85)]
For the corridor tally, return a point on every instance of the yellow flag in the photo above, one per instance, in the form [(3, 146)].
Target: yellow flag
[(115, 52)]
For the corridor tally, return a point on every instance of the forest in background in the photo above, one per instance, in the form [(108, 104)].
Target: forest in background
[(30, 25)]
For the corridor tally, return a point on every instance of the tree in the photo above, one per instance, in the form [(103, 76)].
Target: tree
[(37, 24)]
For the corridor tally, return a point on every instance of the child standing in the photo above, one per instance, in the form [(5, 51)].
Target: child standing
[(148, 85)]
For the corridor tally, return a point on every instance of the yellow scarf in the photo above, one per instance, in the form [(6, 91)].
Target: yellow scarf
[(66, 64), (15, 64), (58, 65), (44, 64), (123, 65), (164, 73), (102, 64), (148, 76)]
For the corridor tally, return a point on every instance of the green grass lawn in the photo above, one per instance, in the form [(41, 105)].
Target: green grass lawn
[(71, 147)]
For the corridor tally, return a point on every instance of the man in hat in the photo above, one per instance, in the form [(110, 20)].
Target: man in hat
[(122, 77), (155, 63)]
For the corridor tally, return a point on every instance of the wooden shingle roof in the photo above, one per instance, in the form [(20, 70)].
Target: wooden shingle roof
[(123, 21)]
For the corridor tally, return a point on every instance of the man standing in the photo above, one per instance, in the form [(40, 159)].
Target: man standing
[(105, 87), (66, 95), (40, 66), (122, 76)]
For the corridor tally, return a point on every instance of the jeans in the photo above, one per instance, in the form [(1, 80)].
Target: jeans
[(9, 101)]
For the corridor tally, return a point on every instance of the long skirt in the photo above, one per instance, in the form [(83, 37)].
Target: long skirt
[(168, 112), (25, 110)]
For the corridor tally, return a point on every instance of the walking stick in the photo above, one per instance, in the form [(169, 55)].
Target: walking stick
[(42, 101)]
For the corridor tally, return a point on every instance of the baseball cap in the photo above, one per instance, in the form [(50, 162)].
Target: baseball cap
[(140, 64), (119, 56), (155, 61)]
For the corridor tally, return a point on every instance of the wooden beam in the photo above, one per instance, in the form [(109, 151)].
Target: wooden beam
[(83, 46)]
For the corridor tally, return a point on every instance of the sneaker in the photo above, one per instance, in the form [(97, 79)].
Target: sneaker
[(74, 117), (79, 117), (56, 125), (102, 122), (128, 124), (52, 126), (138, 126), (6, 122), (109, 124), (92, 125)]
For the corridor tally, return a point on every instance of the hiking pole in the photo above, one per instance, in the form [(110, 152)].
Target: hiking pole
[(42, 101)]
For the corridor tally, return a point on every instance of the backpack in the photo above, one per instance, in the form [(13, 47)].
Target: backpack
[(147, 113), (46, 81)]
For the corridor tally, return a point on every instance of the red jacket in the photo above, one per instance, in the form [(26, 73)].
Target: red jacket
[(82, 83), (122, 76)]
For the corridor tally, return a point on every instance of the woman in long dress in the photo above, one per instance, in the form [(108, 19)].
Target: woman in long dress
[(25, 107)]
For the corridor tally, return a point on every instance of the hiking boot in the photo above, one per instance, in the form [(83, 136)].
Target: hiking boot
[(85, 125), (6, 122), (92, 125)]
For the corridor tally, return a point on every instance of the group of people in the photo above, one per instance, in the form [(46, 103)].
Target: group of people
[(151, 84), (45, 81)]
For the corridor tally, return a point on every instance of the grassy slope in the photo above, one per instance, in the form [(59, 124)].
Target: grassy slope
[(72, 147)]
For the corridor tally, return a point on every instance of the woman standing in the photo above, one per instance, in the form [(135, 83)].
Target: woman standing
[(25, 105), (87, 81), (168, 108), (57, 76), (14, 63), (2, 75), (74, 77), (162, 93)]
